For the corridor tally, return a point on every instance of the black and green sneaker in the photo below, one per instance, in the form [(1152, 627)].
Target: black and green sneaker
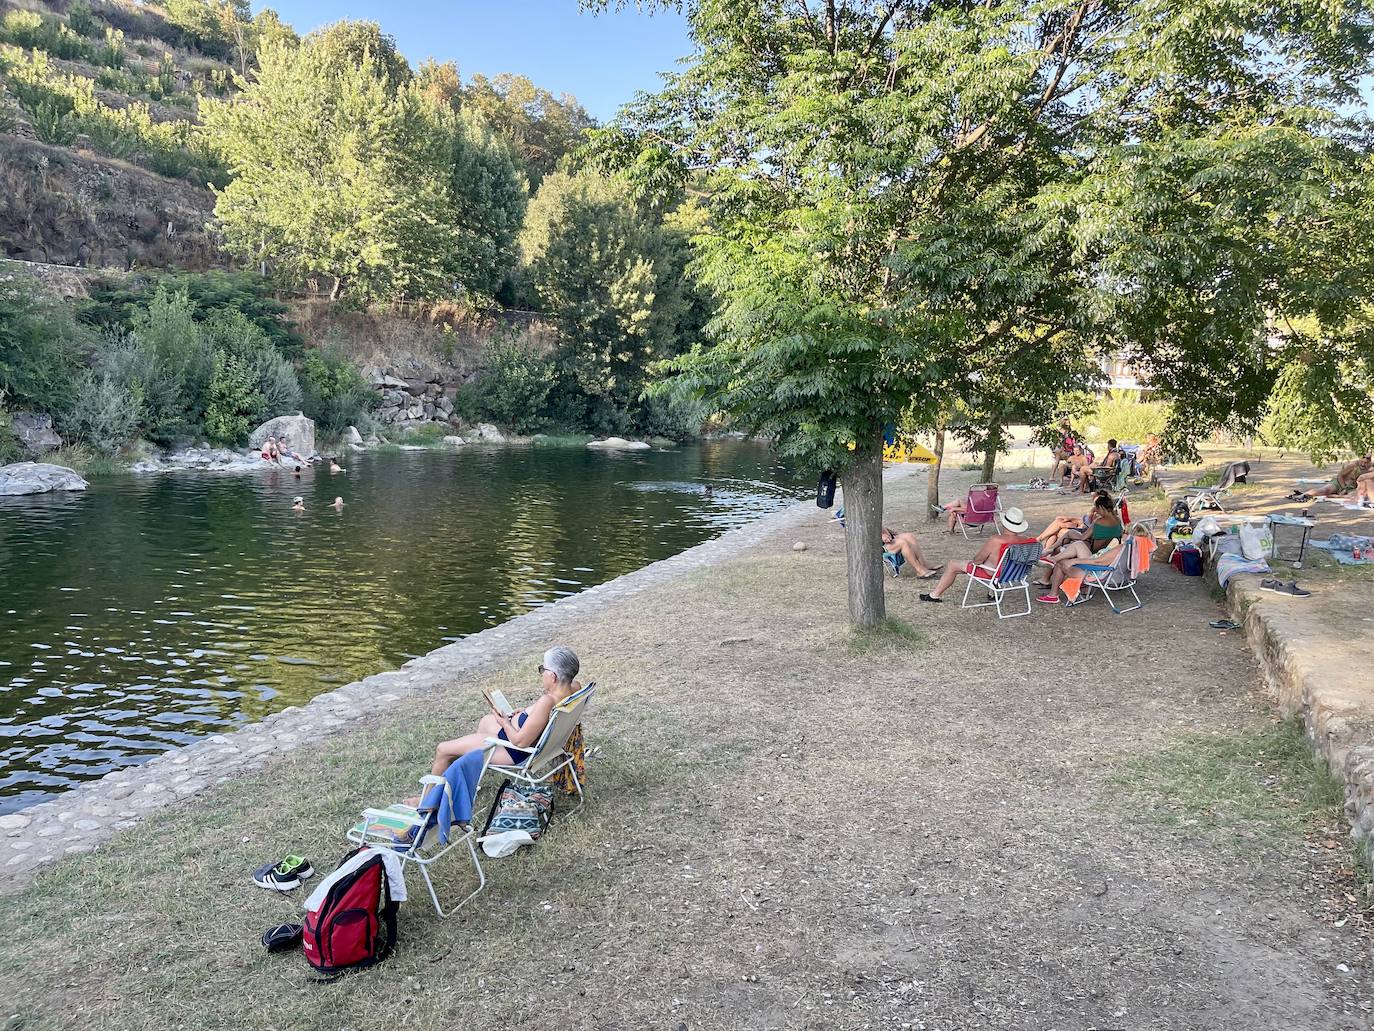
[(283, 876)]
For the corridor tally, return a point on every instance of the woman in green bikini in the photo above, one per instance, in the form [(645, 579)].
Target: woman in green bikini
[(1103, 527)]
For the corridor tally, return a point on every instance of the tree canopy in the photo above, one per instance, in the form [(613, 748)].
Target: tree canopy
[(913, 201)]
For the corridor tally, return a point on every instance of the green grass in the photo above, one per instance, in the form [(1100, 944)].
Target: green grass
[(563, 439), (1267, 784), (85, 461), (891, 633)]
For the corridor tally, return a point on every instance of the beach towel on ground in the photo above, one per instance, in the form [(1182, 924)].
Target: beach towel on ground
[(1232, 565)]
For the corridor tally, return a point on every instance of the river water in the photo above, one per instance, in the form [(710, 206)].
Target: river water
[(150, 611)]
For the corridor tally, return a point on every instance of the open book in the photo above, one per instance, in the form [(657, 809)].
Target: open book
[(498, 701)]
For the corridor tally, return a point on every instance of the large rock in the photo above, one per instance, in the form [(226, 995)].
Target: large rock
[(297, 430), (486, 431), (37, 478), (620, 444), (35, 432), (352, 436)]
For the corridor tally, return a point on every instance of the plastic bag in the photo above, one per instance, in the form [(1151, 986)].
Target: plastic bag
[(1252, 542)]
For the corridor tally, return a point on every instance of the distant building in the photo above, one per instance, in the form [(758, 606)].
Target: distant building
[(1121, 375)]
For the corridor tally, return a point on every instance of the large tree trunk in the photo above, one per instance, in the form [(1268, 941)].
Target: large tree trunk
[(933, 479), (863, 543), (990, 455)]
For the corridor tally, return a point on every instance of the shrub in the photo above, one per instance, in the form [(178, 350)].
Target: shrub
[(676, 418), (81, 19), (275, 381), (1124, 417), (333, 391), (54, 123), (233, 403), (112, 53), (39, 346), (514, 386), (10, 448), (103, 414), (169, 362)]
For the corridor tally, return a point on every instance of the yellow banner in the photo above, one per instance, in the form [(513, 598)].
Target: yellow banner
[(908, 453)]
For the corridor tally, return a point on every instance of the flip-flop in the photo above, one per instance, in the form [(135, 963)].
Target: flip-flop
[(930, 576), (1224, 624)]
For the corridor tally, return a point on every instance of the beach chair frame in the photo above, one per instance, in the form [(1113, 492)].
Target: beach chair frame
[(982, 514), (549, 754), (1012, 574), (424, 849), (1120, 575)]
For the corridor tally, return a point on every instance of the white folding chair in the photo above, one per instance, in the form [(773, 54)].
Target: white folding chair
[(1012, 574), (549, 754), (414, 836)]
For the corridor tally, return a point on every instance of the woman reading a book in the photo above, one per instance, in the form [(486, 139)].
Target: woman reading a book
[(520, 730)]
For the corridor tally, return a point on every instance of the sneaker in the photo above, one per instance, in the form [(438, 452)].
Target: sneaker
[(1292, 589), (1048, 599), (284, 876), (931, 598)]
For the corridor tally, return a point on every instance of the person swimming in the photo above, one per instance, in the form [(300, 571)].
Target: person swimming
[(298, 504), (338, 504), (335, 467)]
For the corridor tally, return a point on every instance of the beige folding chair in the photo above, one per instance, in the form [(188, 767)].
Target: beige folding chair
[(549, 754)]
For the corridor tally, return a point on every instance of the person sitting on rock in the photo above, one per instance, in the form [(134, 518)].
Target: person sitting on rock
[(1014, 530), (520, 730), (905, 544), (270, 451)]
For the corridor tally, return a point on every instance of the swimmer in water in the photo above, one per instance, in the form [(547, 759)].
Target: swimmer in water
[(335, 467), (298, 504), (338, 504)]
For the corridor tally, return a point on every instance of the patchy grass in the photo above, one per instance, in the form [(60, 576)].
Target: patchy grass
[(889, 635), (563, 439), (1266, 783), (84, 460)]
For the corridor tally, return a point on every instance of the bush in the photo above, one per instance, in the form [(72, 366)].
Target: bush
[(54, 123), (233, 404), (274, 380), (40, 344), (81, 19), (103, 414), (514, 385), (170, 365), (10, 448), (334, 392), (672, 417), (112, 53), (1122, 416)]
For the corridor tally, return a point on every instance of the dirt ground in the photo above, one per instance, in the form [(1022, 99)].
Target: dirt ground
[(1068, 821)]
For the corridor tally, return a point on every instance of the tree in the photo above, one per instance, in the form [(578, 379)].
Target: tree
[(602, 268), (907, 196), (540, 128), (341, 167)]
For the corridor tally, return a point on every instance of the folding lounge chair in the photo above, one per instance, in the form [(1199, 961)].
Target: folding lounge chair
[(1210, 497), (1012, 574), (414, 836), (981, 506), (549, 754), (1118, 575), (893, 559)]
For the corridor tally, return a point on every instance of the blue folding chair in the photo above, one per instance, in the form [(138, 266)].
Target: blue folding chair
[(1012, 574), (893, 560)]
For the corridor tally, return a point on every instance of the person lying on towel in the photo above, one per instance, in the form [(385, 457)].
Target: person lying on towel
[(520, 730)]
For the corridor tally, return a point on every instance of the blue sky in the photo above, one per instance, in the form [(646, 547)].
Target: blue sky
[(601, 59)]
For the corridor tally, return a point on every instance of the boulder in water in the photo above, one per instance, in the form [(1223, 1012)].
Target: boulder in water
[(487, 432), (35, 432), (454, 441), (352, 436), (620, 444), (37, 478), (297, 430)]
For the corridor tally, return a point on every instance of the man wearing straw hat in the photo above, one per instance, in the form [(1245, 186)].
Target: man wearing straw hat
[(1014, 531)]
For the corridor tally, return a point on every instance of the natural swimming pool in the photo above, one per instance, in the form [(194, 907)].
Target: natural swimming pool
[(150, 611)]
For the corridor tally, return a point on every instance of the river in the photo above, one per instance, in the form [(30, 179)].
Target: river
[(150, 611)]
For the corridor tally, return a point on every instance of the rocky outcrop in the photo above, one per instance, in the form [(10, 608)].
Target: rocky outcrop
[(37, 478), (202, 459), (35, 432), (485, 431), (619, 444), (296, 431), (413, 394)]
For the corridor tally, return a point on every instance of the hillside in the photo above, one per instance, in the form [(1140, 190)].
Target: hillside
[(101, 156)]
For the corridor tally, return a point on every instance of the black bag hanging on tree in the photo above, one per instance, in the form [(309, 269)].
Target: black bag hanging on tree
[(825, 490)]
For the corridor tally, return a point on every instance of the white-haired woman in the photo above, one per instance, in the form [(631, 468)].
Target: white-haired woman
[(557, 678)]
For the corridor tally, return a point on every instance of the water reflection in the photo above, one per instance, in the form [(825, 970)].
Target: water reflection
[(152, 611)]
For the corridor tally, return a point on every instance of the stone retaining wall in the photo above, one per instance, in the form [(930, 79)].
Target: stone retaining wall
[(81, 819), (1312, 675)]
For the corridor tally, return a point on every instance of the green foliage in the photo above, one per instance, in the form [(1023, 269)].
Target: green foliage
[(903, 203), (1323, 407), (166, 76), (81, 20), (334, 392), (112, 54), (39, 343), (168, 364), (513, 386), (611, 275), (34, 31), (103, 414), (1123, 416), (233, 403), (10, 448), (53, 122), (541, 129)]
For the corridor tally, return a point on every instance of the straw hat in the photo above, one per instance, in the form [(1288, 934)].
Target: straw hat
[(1015, 520)]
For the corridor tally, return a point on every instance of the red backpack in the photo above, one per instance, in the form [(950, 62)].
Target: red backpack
[(355, 925)]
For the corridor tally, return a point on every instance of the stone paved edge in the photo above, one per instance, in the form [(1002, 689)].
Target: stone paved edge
[(1338, 719), (79, 820)]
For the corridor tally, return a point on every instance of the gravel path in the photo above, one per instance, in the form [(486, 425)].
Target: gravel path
[(958, 825)]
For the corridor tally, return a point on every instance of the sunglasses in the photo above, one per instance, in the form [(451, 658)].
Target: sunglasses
[(542, 669)]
